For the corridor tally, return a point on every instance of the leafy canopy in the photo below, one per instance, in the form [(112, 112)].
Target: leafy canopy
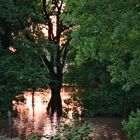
[(109, 31)]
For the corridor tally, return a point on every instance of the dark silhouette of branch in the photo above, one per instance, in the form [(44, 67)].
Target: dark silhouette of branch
[(47, 17), (48, 64)]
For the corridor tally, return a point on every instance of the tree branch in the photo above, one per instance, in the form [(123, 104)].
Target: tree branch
[(66, 50), (50, 26), (48, 64), (61, 4), (44, 9)]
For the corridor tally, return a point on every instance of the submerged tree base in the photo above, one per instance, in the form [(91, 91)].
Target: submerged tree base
[(55, 103)]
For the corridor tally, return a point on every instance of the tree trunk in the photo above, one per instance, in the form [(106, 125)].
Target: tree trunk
[(55, 103)]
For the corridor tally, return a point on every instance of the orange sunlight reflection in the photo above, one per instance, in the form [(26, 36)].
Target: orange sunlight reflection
[(12, 49), (32, 117)]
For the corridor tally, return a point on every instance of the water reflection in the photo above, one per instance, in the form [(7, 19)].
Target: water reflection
[(32, 117)]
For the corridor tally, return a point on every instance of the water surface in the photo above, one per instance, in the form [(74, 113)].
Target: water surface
[(32, 119)]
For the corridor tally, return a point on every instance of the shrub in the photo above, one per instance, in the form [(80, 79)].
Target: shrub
[(132, 125), (109, 100), (74, 132)]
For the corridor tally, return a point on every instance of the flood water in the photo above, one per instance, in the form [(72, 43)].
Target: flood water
[(32, 119)]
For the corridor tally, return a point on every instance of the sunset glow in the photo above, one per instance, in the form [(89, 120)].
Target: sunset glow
[(12, 49), (33, 109)]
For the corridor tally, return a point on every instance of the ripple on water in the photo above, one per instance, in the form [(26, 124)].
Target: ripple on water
[(32, 118)]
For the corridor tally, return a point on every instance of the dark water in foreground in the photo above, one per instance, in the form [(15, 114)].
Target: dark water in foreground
[(32, 118)]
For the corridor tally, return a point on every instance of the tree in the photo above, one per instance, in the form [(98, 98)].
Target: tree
[(51, 46), (107, 63), (108, 31)]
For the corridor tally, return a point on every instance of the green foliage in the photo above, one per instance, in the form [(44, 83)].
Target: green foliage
[(74, 131), (132, 125), (114, 101), (91, 71), (33, 138), (100, 96), (107, 63), (108, 100), (109, 31), (19, 72)]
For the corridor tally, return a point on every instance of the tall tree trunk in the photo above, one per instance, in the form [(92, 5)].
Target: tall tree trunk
[(55, 103)]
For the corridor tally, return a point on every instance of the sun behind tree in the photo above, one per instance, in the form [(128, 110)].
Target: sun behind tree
[(32, 19)]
